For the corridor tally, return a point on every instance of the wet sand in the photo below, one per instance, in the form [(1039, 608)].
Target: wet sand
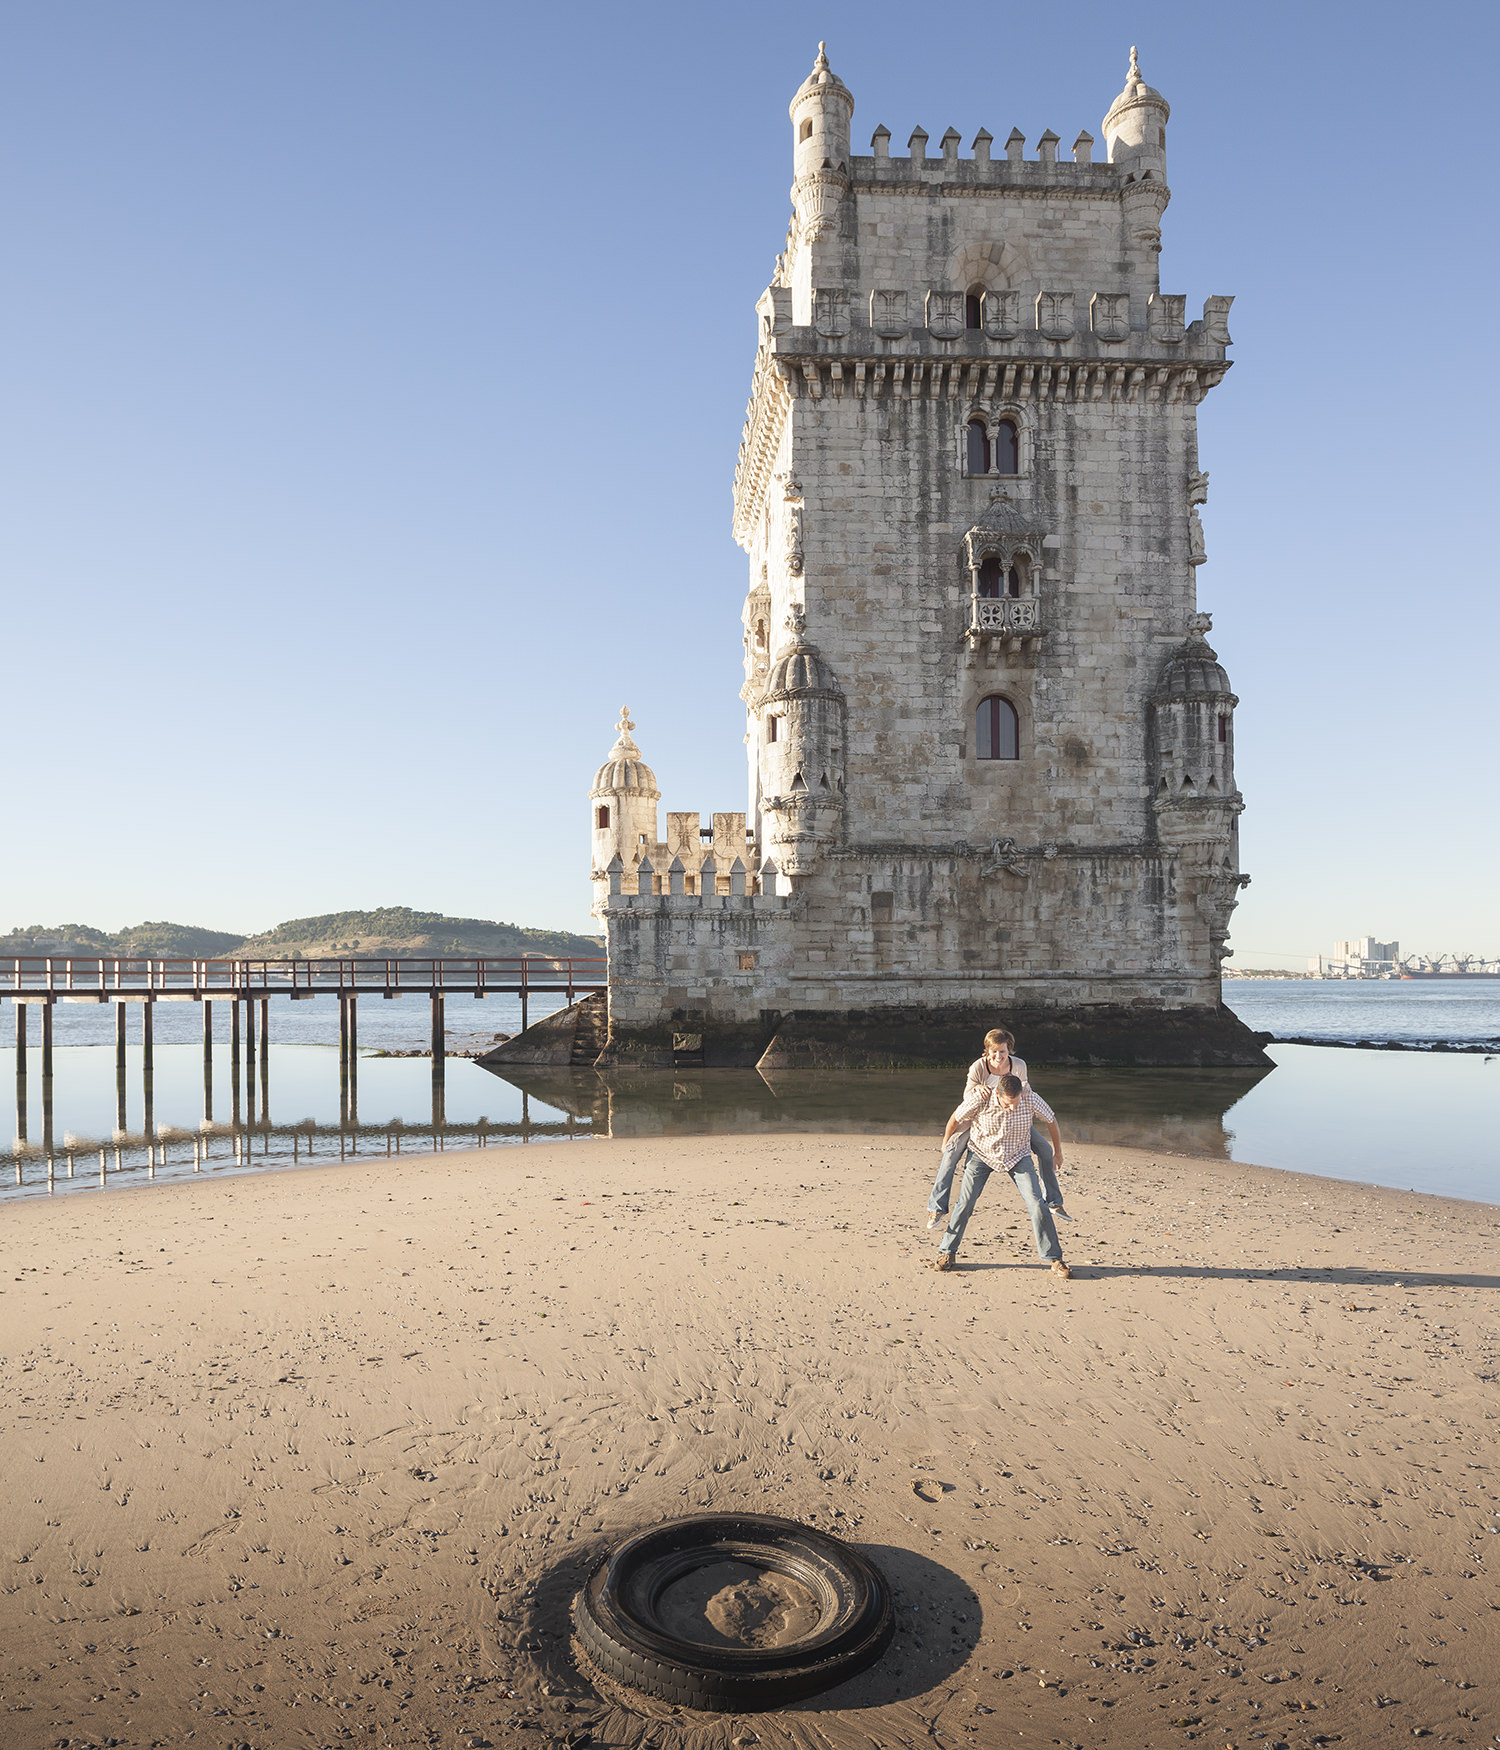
[(321, 1457)]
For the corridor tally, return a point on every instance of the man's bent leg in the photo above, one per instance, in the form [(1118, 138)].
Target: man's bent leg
[(976, 1177), (1046, 1170), (1042, 1229), (942, 1186)]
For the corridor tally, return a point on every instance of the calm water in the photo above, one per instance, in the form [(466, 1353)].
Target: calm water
[(1416, 1121), (1419, 1012)]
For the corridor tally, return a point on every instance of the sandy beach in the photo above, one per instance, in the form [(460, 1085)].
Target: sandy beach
[(320, 1457)]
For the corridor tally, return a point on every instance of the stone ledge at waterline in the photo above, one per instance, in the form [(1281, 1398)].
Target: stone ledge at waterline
[(1102, 1034)]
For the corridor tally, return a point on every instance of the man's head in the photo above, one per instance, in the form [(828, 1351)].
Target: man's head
[(1010, 1088), (997, 1044)]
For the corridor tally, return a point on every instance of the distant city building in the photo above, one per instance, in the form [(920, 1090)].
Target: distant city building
[(1360, 957)]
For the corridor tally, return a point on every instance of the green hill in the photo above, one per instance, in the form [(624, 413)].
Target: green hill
[(398, 932), (393, 932), (150, 939)]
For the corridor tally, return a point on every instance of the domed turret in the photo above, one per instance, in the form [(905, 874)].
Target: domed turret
[(1135, 134), (821, 112), (622, 802), (801, 714), (1192, 739), (1135, 130)]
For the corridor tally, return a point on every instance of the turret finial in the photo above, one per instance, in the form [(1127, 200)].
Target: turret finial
[(1200, 625), (1133, 77), (796, 622), (624, 726), (822, 60)]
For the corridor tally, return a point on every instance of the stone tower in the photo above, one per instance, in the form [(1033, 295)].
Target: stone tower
[(990, 753)]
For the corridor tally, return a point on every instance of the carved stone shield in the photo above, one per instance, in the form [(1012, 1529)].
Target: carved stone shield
[(830, 310), (1002, 315), (1110, 313), (888, 314), (1054, 315), (945, 315), (1216, 319), (1168, 317)]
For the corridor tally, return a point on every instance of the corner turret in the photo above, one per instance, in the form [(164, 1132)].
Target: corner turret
[(1192, 737), (1135, 130), (820, 113), (622, 805), (802, 740), (1135, 138)]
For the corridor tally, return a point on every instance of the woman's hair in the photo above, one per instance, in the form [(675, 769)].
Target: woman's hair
[(1010, 1085), (999, 1036)]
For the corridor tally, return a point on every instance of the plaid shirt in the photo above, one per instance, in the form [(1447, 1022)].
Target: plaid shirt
[(1001, 1136)]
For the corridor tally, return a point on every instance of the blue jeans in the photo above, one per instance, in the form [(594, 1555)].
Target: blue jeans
[(976, 1177), (953, 1153)]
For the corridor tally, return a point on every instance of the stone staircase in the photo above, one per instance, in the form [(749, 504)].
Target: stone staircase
[(591, 1032)]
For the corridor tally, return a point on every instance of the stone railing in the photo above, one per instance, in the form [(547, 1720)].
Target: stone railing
[(1017, 617)]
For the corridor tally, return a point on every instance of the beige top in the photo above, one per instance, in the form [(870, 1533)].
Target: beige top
[(981, 1076)]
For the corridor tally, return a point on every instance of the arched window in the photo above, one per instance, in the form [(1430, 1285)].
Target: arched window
[(997, 730), (973, 308), (760, 634), (989, 577), (1015, 578), (601, 817), (805, 131), (979, 448), (1007, 448)]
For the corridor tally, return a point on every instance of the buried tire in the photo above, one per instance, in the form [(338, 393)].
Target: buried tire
[(733, 1612)]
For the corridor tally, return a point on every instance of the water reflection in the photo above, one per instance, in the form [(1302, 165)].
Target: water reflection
[(1181, 1110)]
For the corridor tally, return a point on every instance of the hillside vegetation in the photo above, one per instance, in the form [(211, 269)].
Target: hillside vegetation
[(398, 932), (390, 933), (157, 940)]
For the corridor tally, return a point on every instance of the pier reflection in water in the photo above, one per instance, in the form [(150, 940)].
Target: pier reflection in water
[(175, 1110), (1180, 1110)]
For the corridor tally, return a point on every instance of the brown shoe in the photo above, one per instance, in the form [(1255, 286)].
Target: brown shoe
[(1061, 1269), (945, 1261)]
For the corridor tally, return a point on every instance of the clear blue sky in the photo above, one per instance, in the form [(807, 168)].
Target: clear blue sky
[(373, 375)]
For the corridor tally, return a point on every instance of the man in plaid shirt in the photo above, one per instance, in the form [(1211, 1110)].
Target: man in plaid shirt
[(1000, 1121)]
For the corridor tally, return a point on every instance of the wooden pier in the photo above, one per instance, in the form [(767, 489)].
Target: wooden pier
[(249, 986)]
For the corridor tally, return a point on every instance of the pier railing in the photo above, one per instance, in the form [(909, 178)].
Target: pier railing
[(105, 979)]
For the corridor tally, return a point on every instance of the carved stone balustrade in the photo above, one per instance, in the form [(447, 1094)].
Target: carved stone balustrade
[(1006, 623)]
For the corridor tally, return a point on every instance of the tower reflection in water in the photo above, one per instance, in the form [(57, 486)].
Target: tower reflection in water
[(1181, 1111)]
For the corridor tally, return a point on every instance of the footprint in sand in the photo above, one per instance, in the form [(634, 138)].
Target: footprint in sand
[(931, 1492)]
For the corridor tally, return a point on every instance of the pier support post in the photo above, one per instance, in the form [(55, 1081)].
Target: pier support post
[(20, 1009), (148, 1067), (439, 1064), (250, 1060), (265, 1060), (234, 1061), (353, 1012), (47, 1077), (120, 1096), (208, 1062)]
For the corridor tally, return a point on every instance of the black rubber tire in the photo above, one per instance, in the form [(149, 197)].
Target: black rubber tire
[(615, 1617)]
